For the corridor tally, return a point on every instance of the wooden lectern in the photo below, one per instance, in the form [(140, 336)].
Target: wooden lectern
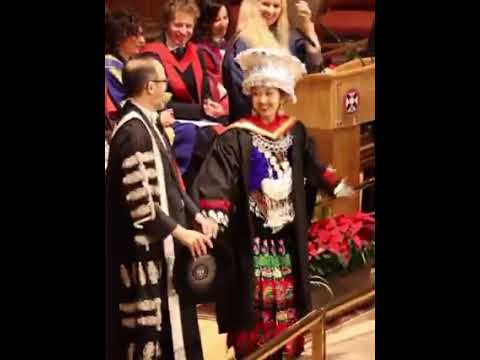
[(332, 106)]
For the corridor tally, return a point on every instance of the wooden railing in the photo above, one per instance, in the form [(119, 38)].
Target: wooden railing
[(325, 201), (315, 322)]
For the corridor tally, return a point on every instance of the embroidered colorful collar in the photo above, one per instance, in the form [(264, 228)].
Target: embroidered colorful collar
[(274, 130)]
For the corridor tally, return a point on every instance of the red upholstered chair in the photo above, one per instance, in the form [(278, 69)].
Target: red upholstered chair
[(349, 19)]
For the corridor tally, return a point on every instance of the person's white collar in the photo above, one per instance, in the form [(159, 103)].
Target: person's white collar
[(151, 114)]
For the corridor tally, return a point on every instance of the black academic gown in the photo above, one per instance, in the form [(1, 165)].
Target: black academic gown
[(222, 186), (143, 310), (198, 89)]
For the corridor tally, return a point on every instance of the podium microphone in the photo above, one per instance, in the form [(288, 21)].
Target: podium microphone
[(331, 33), (340, 40)]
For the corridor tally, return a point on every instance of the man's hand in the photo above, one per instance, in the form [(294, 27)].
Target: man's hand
[(166, 118), (209, 227), (195, 241)]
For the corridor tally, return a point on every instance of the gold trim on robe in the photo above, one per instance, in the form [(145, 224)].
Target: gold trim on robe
[(280, 131)]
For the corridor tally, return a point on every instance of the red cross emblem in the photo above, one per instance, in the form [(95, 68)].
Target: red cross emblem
[(352, 100)]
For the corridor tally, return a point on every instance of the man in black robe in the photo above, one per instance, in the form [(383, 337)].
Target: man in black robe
[(147, 212)]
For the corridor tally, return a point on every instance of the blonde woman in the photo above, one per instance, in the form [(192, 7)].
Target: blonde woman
[(264, 23)]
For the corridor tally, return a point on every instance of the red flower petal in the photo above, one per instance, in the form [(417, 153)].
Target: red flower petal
[(344, 228), (357, 241), (355, 227), (323, 236), (360, 216)]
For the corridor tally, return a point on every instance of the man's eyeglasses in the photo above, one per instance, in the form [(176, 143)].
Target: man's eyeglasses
[(159, 81)]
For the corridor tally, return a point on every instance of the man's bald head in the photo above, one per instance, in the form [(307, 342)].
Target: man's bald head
[(138, 71)]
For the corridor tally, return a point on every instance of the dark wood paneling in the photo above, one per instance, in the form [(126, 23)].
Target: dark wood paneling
[(148, 9)]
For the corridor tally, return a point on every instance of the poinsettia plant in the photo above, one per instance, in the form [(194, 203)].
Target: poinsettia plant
[(340, 243)]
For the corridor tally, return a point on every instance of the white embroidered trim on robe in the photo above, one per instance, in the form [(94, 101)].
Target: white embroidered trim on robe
[(168, 245), (218, 216)]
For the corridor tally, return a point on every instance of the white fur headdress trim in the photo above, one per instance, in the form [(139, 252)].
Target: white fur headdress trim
[(272, 68)]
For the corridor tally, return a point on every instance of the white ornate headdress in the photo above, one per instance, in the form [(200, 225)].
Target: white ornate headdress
[(270, 67)]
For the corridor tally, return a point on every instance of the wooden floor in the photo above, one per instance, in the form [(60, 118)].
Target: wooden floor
[(214, 345), (351, 340)]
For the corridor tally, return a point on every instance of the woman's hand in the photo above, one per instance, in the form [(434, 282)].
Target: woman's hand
[(213, 108), (305, 23), (209, 227), (303, 12), (343, 190)]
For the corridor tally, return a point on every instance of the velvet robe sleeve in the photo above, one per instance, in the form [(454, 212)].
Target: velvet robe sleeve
[(318, 177), (132, 138), (190, 206), (316, 173), (313, 62), (215, 186), (183, 110), (240, 104)]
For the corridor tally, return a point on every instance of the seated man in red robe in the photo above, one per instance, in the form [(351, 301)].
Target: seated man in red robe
[(193, 98)]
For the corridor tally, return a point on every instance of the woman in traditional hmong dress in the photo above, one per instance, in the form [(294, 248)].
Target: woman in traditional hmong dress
[(259, 182)]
